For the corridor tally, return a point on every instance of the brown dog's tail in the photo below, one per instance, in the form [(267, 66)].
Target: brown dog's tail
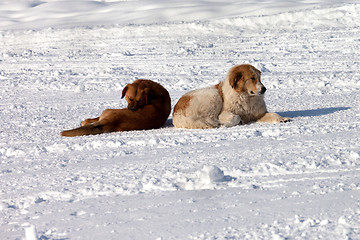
[(90, 129)]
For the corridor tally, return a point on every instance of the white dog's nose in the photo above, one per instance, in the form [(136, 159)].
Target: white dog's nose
[(263, 90)]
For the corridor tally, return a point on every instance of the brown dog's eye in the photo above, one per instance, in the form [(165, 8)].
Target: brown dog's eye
[(253, 79)]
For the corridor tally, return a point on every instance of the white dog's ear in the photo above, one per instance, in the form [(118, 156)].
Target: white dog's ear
[(124, 91), (234, 78)]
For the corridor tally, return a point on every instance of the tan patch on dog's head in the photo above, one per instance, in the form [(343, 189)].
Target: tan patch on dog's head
[(219, 88), (246, 79), (136, 96), (182, 104)]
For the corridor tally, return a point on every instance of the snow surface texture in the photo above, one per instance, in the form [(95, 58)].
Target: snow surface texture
[(63, 61)]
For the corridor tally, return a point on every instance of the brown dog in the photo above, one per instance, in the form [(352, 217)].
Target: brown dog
[(149, 106)]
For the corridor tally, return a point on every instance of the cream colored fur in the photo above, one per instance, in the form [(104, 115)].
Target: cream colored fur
[(203, 110), (206, 108)]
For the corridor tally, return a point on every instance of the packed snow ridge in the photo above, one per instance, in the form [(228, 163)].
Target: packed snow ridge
[(34, 14)]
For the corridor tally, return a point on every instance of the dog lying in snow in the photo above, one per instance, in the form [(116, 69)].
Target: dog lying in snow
[(149, 106), (239, 99)]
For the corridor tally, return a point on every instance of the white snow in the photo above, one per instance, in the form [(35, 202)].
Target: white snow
[(63, 61), (30, 233)]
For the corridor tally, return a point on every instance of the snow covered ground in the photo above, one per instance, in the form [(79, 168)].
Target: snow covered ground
[(64, 61)]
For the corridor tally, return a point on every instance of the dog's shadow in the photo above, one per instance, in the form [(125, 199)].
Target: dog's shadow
[(312, 112), (291, 114), (168, 123)]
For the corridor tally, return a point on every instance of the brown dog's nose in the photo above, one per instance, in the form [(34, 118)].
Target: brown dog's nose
[(263, 90), (132, 108)]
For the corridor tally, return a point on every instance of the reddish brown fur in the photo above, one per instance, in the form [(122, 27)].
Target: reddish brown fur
[(137, 94), (182, 104), (149, 108)]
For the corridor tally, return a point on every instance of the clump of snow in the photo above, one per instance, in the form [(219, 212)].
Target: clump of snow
[(30, 233), (211, 174), (354, 156)]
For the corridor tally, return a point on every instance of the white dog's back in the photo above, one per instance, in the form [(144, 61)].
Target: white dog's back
[(198, 109)]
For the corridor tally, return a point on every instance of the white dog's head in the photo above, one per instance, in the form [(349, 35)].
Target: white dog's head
[(246, 79)]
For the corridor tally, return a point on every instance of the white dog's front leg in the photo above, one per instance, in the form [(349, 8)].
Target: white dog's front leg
[(228, 119), (273, 118)]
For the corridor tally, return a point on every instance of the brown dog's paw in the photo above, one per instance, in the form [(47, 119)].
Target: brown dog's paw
[(89, 121)]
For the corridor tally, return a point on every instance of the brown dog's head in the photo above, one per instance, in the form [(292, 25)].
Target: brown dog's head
[(136, 96), (246, 79)]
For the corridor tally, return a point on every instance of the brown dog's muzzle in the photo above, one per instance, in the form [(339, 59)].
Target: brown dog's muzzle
[(133, 108)]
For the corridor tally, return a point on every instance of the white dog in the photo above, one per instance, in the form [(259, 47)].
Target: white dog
[(239, 99)]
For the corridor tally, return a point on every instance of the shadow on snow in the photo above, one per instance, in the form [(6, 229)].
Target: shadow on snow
[(292, 114), (312, 112)]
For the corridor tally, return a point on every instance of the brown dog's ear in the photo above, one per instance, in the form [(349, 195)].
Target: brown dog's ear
[(124, 91), (234, 78), (146, 93)]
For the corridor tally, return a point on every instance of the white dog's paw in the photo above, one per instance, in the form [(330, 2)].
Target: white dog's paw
[(274, 118), (228, 119), (284, 120), (212, 123)]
